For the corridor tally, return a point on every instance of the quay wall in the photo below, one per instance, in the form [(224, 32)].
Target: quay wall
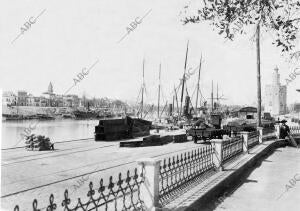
[(31, 110)]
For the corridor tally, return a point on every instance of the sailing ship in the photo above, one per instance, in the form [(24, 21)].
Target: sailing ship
[(122, 128)]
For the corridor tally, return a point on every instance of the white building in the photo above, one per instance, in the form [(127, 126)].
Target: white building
[(9, 98), (275, 96)]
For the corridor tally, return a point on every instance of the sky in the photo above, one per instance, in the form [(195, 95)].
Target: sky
[(70, 36)]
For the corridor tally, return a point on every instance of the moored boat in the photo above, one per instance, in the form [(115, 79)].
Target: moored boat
[(85, 114), (121, 128)]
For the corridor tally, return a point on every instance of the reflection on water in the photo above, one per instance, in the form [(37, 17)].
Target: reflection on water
[(56, 130)]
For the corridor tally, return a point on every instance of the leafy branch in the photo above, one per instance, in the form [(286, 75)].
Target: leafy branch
[(281, 17)]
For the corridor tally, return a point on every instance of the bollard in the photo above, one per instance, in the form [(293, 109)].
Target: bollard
[(217, 145), (245, 136), (149, 191), (260, 134)]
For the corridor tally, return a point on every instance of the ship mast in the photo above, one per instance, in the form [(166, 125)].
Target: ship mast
[(183, 79), (158, 91), (176, 99), (217, 95), (198, 86), (143, 86), (212, 96)]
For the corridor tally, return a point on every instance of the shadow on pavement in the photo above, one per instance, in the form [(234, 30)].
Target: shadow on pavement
[(229, 188)]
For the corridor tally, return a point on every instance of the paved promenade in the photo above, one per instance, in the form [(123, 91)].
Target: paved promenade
[(248, 182), (272, 186)]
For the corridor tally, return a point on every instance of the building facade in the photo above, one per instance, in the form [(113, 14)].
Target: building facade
[(248, 113), (295, 107), (9, 99), (48, 99), (275, 96), (22, 98)]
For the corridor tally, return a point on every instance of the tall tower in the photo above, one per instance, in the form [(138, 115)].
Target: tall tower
[(276, 91), (50, 88), (276, 76), (50, 95), (275, 98)]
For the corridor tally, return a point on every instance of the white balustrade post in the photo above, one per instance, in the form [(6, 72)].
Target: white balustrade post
[(260, 134), (277, 130), (245, 136), (149, 191), (217, 145), (232, 134)]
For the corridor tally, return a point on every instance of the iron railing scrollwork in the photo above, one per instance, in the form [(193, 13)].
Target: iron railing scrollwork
[(178, 170), (124, 194), (232, 147), (295, 130), (253, 139), (268, 130)]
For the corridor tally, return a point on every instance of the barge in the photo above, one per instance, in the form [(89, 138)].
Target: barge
[(121, 128)]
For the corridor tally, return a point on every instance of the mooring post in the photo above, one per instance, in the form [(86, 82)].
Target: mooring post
[(149, 190)]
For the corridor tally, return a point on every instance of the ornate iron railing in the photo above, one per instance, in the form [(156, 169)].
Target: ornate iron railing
[(253, 139), (178, 170), (268, 130), (296, 120), (124, 194), (232, 147), (295, 130)]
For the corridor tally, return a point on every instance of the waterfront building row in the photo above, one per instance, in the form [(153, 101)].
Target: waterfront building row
[(51, 99), (22, 98)]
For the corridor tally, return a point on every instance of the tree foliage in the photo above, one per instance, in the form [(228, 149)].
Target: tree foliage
[(229, 17)]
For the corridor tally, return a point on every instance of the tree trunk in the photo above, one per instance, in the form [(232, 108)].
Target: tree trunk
[(258, 76)]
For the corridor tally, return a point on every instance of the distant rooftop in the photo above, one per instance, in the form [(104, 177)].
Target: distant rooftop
[(248, 109)]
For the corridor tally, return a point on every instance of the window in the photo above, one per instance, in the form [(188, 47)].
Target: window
[(249, 116)]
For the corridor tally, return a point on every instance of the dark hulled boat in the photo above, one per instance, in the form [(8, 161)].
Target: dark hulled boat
[(116, 129), (85, 114)]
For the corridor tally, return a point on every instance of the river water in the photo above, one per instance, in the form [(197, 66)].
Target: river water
[(57, 130)]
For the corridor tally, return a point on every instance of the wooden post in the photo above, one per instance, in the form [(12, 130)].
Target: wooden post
[(258, 76)]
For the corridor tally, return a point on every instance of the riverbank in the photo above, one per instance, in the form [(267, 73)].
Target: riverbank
[(32, 112)]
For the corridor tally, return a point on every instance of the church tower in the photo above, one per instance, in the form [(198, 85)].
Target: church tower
[(50, 88)]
